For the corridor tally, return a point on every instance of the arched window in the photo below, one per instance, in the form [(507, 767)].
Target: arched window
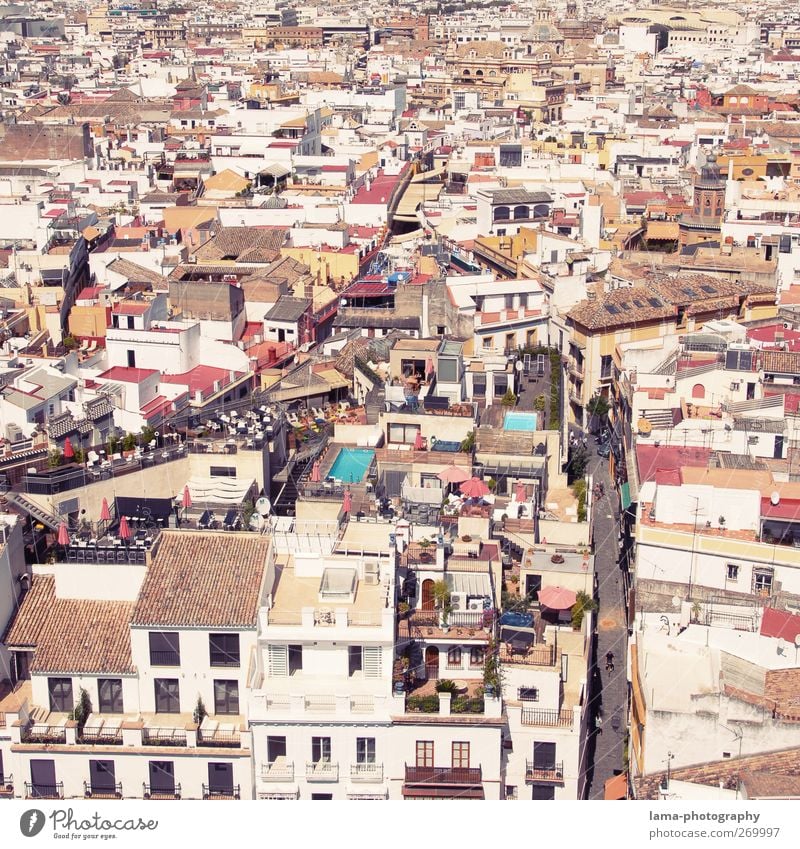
[(479, 73), (698, 391), (522, 212), (502, 213), (466, 72)]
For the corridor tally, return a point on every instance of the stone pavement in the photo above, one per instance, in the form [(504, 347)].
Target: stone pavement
[(610, 689)]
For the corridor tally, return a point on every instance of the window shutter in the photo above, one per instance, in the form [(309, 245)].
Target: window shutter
[(278, 660), (373, 661)]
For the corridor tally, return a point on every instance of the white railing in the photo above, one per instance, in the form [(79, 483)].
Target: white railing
[(366, 772), (278, 770), (362, 704), (321, 703), (364, 619)]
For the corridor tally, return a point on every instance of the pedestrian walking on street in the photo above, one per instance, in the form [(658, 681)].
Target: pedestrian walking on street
[(610, 661)]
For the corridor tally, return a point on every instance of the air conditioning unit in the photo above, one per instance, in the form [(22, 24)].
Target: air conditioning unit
[(192, 259), (458, 601), (372, 573), (475, 604), (735, 385)]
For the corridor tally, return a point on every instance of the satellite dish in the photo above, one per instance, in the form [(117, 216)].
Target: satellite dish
[(263, 506), (518, 365), (775, 498), (676, 601), (256, 522)]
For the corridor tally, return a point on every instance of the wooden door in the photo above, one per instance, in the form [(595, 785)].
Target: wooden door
[(432, 662), (427, 595)]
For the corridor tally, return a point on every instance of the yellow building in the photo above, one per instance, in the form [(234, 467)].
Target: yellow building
[(659, 307), (327, 264)]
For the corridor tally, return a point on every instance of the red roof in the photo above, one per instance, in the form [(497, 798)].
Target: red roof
[(380, 189), (125, 374), (778, 623), (342, 168), (130, 309), (90, 293), (200, 378), (651, 459), (373, 289), (668, 477), (767, 334), (786, 508), (159, 404)]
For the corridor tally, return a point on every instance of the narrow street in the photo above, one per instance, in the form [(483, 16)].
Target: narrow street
[(610, 689)]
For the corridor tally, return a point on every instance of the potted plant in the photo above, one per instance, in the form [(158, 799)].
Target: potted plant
[(721, 521), (466, 538), (557, 558), (445, 685), (447, 609), (403, 608), (696, 611), (425, 544), (200, 712)]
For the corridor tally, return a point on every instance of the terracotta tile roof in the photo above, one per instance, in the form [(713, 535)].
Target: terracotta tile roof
[(232, 242), (763, 784), (72, 635), (711, 773), (781, 362), (203, 580)]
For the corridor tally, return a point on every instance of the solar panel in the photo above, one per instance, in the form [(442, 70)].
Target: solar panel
[(709, 289), (612, 309), (637, 303), (654, 302)]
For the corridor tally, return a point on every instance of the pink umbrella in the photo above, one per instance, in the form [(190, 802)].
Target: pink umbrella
[(69, 454), (429, 366), (419, 443), (316, 477), (347, 502), (186, 501), (63, 535), (105, 513), (124, 528), (474, 488), (453, 474), (520, 496), (557, 598)]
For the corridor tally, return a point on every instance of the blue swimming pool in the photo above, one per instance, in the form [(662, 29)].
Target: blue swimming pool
[(351, 464), (520, 421), (517, 619)]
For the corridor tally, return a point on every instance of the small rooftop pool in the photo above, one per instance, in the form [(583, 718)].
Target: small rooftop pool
[(351, 464), (521, 421)]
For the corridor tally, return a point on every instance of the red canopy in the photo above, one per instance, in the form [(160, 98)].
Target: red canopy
[(347, 501), (453, 474), (186, 501), (63, 534), (68, 451), (316, 477), (557, 598), (105, 513), (124, 529), (520, 496), (429, 366), (474, 488), (419, 442)]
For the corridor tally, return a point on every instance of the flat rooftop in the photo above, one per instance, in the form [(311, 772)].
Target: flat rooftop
[(291, 593)]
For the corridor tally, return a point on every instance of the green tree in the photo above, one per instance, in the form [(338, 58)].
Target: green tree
[(54, 459), (598, 406), (80, 713), (509, 399), (200, 712), (129, 442), (468, 443), (583, 602), (578, 461)]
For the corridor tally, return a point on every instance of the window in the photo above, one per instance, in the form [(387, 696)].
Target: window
[(502, 213), (403, 433), (276, 748), (356, 660), (321, 749), (110, 693), (488, 342), (165, 649), (162, 776), (605, 367), (440, 330), (167, 695), (762, 582), (477, 655), (226, 697), (454, 658), (222, 471), (543, 793), (131, 359), (101, 776), (460, 755), (424, 752), (223, 649), (733, 572), (365, 750), (544, 756), (295, 659), (528, 694), (479, 385), (60, 690), (277, 661), (447, 371)]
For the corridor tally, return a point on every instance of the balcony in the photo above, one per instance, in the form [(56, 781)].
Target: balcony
[(100, 737), (575, 368), (6, 786), (534, 655), (547, 718), (278, 770), (545, 774), (219, 737), (149, 792), (45, 734), (366, 772), (163, 737), (231, 792), (44, 791), (322, 771), (105, 791), (459, 775)]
